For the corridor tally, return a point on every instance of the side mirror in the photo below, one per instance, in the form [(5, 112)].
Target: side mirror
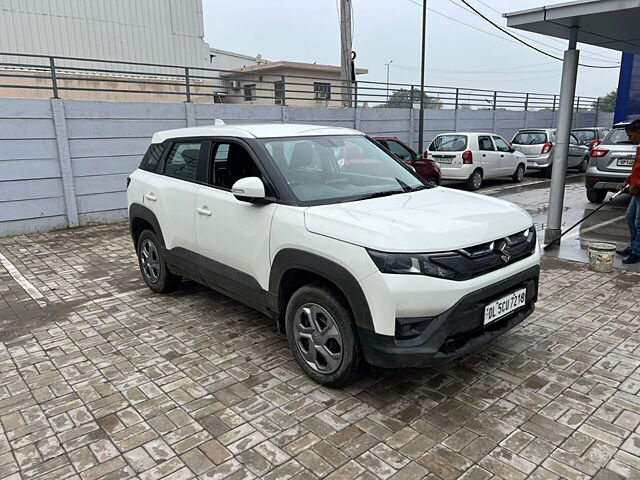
[(249, 189), (512, 150)]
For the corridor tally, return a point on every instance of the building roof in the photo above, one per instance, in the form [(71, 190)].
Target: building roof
[(609, 24), (264, 130), (282, 65)]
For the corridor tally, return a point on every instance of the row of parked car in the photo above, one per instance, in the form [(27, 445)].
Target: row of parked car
[(473, 157)]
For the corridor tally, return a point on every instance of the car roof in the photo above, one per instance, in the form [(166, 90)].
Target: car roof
[(467, 133), (621, 124), (257, 130), (536, 130)]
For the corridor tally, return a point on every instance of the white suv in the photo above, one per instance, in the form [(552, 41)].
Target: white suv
[(368, 265)]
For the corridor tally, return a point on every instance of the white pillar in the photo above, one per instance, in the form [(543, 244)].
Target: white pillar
[(64, 158), (561, 148)]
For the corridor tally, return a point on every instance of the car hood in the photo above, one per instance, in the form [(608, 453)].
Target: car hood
[(435, 220)]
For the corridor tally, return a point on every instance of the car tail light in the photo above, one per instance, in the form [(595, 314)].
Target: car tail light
[(598, 152), (467, 157), (425, 154), (594, 144), (345, 164), (546, 148)]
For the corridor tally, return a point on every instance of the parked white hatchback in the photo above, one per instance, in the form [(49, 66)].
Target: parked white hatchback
[(473, 157), (353, 265)]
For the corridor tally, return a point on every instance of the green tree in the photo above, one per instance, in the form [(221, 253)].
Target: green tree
[(608, 102), (402, 99)]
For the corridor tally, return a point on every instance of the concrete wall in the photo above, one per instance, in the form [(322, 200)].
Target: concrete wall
[(65, 163)]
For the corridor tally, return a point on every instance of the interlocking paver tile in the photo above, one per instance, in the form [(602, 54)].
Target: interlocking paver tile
[(104, 379)]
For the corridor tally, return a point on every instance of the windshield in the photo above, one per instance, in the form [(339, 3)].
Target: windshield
[(338, 168), (448, 143), (585, 135), (530, 138), (616, 136)]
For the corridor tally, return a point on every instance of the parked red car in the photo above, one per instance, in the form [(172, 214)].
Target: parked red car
[(426, 168)]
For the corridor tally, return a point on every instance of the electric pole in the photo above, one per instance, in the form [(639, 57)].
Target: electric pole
[(421, 117), (346, 47)]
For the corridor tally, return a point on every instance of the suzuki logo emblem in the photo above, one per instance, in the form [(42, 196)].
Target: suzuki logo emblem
[(505, 252)]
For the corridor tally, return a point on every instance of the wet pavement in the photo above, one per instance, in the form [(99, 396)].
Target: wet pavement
[(102, 379), (607, 225)]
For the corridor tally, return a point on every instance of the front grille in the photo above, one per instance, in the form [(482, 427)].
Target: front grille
[(480, 259)]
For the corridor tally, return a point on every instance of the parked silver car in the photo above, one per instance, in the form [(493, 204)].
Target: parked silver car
[(537, 145), (610, 163), (590, 137)]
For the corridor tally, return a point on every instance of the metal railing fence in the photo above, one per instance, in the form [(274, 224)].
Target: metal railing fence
[(65, 77)]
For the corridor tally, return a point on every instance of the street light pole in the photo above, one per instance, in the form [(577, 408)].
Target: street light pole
[(421, 117), (388, 65)]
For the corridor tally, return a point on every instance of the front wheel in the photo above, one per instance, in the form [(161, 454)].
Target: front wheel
[(518, 175), (475, 180), (321, 335), (596, 196), (432, 182), (582, 168)]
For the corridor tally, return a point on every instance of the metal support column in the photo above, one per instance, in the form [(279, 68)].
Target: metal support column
[(561, 148)]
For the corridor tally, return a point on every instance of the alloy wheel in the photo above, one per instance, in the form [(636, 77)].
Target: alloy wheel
[(318, 338), (150, 261)]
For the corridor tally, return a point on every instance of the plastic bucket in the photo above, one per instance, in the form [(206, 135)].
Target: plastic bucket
[(601, 257)]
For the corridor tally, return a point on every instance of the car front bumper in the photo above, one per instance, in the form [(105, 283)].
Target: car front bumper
[(454, 332)]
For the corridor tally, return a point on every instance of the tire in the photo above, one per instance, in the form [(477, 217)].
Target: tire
[(311, 311), (432, 182), (475, 180), (152, 264), (518, 175), (582, 168), (596, 196), (548, 172)]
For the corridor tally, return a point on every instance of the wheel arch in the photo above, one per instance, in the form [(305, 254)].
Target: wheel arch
[(140, 219), (292, 268)]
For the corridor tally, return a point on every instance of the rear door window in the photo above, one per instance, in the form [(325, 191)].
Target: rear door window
[(485, 144), (182, 161), (449, 143), (530, 138)]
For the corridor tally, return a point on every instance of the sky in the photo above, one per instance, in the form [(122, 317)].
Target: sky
[(468, 54)]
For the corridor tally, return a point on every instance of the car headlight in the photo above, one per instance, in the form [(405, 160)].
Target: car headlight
[(410, 264)]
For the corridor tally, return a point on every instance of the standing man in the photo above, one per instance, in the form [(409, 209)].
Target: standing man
[(632, 253)]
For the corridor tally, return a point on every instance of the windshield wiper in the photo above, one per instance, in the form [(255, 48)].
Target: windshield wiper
[(418, 188), (380, 194)]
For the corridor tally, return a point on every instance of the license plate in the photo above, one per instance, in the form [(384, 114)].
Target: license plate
[(625, 162), (505, 305), (531, 164), (443, 160)]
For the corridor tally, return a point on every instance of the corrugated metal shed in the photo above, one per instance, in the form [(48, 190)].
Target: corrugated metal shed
[(224, 60), (150, 31)]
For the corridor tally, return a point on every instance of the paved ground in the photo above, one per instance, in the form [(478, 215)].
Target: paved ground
[(102, 379)]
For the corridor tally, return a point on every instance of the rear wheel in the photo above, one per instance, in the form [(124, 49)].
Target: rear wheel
[(583, 165), (518, 175), (475, 180), (596, 196), (152, 264), (321, 335)]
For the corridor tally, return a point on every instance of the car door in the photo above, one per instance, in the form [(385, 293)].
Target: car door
[(508, 161), (489, 158), (171, 198), (576, 151), (233, 235)]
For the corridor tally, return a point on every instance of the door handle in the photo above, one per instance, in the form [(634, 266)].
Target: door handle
[(151, 196), (502, 155), (484, 154), (204, 210)]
